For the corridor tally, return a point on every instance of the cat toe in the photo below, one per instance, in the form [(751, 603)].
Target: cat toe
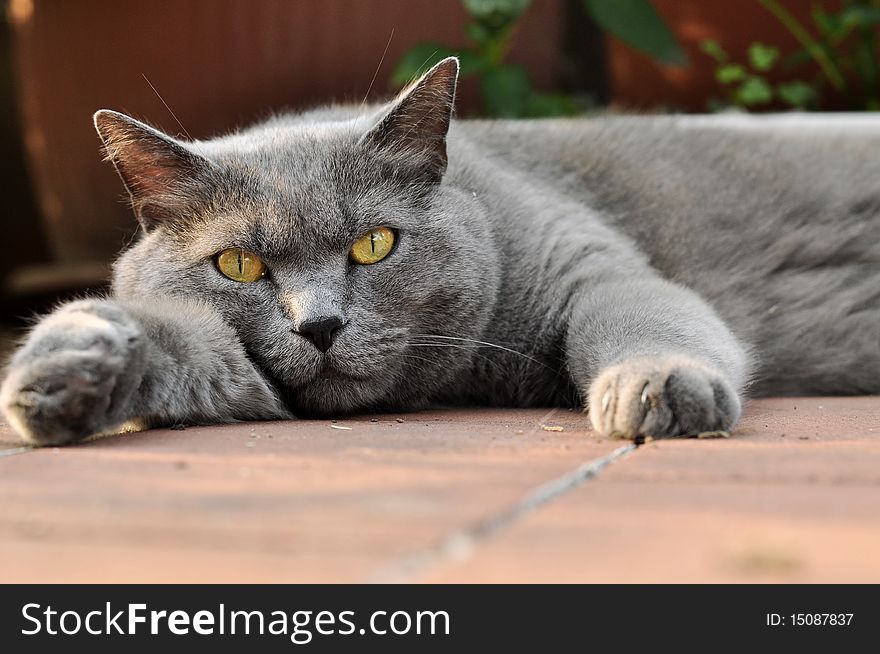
[(661, 397), (71, 379), (700, 401), (60, 398)]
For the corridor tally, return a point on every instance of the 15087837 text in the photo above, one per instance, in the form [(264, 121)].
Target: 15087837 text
[(809, 619)]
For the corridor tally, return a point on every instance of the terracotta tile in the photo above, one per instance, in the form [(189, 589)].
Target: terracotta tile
[(628, 532), (32, 561), (824, 418), (301, 499), (855, 463), (756, 507), (791, 497)]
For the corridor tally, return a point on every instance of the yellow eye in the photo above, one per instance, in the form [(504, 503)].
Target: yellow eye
[(373, 246), (240, 265)]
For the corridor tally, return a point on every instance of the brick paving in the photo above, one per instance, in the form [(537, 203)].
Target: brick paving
[(453, 496)]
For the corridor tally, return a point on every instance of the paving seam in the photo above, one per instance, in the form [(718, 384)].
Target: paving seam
[(461, 544), (15, 450)]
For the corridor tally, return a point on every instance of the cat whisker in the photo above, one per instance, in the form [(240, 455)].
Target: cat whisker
[(458, 347), (173, 115), (485, 344), (471, 351), (373, 81)]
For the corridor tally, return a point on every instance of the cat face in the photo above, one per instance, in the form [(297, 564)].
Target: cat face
[(277, 229)]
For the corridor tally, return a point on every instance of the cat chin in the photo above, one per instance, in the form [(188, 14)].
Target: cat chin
[(336, 394)]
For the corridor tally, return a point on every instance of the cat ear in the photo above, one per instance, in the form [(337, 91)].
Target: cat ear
[(160, 173), (416, 124)]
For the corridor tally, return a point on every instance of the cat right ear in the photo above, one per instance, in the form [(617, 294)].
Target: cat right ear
[(162, 176), (413, 129)]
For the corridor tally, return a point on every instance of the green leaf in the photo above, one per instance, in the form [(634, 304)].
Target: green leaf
[(755, 90), (637, 23), (421, 57), (712, 48), (797, 58), (545, 105), (730, 73), (494, 9), (763, 57), (469, 63), (860, 16), (417, 60), (717, 105), (506, 91), (478, 33), (797, 94), (827, 24)]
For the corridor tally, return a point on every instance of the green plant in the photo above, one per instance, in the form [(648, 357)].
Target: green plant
[(747, 86), (843, 45), (505, 88), (637, 23)]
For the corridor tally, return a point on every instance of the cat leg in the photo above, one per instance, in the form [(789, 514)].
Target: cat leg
[(94, 365), (652, 358)]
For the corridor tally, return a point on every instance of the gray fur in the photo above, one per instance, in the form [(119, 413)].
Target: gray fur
[(648, 268)]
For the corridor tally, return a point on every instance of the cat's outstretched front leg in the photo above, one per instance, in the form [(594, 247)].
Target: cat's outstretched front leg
[(94, 365), (653, 359)]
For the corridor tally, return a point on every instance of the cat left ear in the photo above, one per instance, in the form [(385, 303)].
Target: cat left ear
[(415, 126), (162, 176)]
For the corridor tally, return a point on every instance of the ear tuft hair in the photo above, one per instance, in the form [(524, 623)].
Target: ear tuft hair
[(416, 124), (159, 172)]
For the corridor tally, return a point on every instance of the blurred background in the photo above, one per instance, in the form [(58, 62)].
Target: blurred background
[(225, 63)]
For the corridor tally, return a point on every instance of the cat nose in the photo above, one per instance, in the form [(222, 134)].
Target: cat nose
[(321, 331)]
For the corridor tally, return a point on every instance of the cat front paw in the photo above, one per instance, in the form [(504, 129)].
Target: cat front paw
[(75, 375), (661, 397)]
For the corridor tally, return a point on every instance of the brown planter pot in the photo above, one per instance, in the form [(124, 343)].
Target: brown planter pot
[(218, 63), (638, 82)]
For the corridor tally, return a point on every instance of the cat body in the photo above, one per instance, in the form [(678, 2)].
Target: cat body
[(775, 222), (650, 268)]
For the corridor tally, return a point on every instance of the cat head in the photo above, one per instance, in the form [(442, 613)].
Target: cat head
[(333, 242)]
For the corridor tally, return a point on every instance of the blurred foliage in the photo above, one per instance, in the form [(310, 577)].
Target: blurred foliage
[(637, 23), (746, 84), (843, 44), (506, 89)]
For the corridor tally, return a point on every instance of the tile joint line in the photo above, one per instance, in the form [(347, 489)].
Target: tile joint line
[(15, 450), (460, 545)]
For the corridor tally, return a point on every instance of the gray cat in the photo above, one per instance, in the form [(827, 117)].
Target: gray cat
[(338, 261)]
